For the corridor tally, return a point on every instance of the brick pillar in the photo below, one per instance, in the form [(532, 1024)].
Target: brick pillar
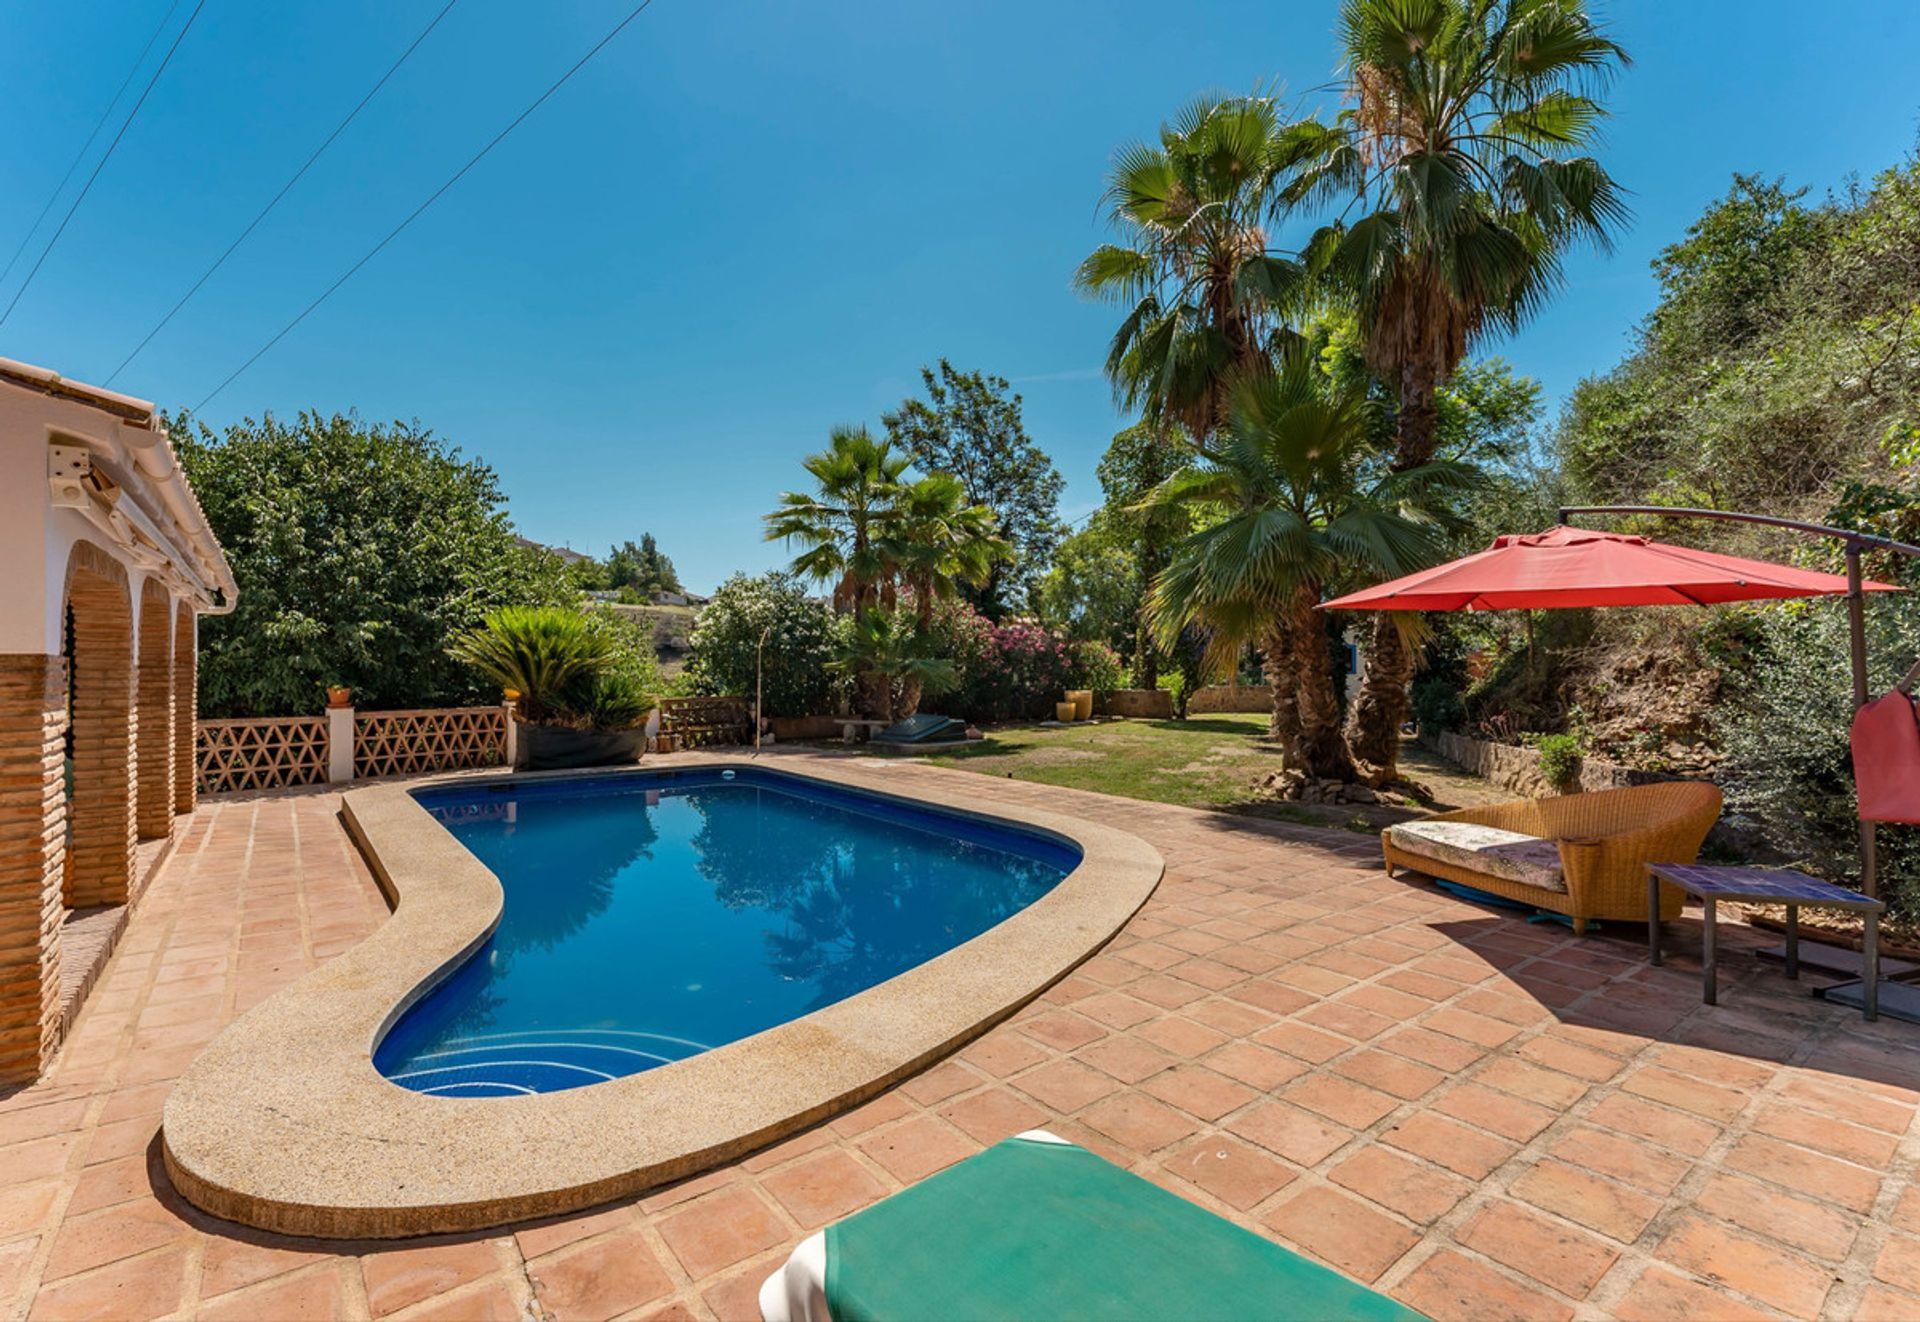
[(186, 707), (154, 750), (101, 844), (33, 830)]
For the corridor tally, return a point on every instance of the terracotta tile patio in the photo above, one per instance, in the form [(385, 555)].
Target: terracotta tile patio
[(1479, 1116)]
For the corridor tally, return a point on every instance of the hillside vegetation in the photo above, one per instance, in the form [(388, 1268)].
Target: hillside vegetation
[(1779, 374)]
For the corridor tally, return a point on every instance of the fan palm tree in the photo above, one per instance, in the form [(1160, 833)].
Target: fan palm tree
[(883, 649), (1290, 498), (938, 540), (1464, 155), (846, 524), (1192, 268)]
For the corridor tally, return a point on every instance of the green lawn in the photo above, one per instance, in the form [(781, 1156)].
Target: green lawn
[(1206, 762)]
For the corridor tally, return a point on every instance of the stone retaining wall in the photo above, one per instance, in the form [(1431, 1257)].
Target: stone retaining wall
[(1149, 704), (1230, 697)]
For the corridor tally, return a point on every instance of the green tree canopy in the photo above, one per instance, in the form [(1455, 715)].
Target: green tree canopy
[(361, 551), (969, 426), (642, 568)]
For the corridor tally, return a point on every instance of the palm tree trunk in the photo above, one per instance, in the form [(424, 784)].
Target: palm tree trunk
[(1320, 747), (910, 689), (1276, 664), (1381, 708)]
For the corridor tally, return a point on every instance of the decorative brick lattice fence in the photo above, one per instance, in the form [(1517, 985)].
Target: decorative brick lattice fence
[(275, 752), (261, 753), (407, 743)]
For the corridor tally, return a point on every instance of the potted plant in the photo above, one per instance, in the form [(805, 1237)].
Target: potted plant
[(579, 705), (339, 695)]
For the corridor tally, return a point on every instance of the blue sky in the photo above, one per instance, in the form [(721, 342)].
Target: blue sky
[(746, 222)]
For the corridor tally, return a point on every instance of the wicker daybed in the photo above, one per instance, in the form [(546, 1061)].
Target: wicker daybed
[(1582, 855)]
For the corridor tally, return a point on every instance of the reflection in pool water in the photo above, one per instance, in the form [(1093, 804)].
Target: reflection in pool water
[(652, 917)]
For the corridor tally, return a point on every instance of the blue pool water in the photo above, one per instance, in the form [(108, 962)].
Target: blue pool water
[(652, 917)]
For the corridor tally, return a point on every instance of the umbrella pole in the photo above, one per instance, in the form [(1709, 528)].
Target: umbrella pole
[(1857, 650)]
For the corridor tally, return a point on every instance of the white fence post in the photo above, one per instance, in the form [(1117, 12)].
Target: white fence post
[(339, 744), (513, 736)]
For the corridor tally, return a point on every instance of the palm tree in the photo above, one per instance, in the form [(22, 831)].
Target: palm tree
[(1193, 269), (1290, 498), (1464, 151), (938, 540), (846, 523), (883, 649)]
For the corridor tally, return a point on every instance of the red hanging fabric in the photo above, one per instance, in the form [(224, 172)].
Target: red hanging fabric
[(1886, 758)]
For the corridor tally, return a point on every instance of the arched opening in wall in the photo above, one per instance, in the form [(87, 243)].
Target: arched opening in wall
[(100, 705), (153, 749), (186, 659)]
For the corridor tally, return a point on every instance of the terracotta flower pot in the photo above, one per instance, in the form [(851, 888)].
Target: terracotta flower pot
[(338, 695)]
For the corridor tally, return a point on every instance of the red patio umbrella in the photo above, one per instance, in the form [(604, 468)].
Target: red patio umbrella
[(1566, 567)]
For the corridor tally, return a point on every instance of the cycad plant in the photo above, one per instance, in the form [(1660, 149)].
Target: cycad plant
[(542, 652), (1202, 293), (1461, 174), (1290, 499)]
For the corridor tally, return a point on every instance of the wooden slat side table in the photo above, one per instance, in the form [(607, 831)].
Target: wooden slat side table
[(1765, 886)]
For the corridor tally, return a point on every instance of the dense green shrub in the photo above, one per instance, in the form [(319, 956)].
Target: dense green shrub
[(360, 551), (1559, 760), (801, 642), (1096, 666)]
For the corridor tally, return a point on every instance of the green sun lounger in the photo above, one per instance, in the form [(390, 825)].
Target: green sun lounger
[(1035, 1229)]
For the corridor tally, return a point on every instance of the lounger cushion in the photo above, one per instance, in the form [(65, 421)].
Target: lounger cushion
[(1036, 1228), (1527, 859)]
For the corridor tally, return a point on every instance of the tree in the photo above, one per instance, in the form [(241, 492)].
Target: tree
[(1094, 588), (1463, 148), (886, 652), (1286, 507), (871, 530), (1192, 268), (361, 552), (844, 523), (641, 568), (728, 656), (969, 425), (1137, 461)]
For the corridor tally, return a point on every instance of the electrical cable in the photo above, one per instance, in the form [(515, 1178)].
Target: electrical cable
[(81, 155), (284, 190), (102, 163), (432, 197)]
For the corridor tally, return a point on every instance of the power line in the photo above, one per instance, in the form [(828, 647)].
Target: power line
[(102, 163), (284, 190), (81, 155), (433, 197)]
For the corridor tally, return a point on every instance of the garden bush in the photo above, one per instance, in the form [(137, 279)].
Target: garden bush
[(1559, 760), (1030, 668), (1096, 666), (802, 642)]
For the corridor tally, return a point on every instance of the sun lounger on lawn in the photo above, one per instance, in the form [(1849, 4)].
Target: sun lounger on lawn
[(1037, 1229)]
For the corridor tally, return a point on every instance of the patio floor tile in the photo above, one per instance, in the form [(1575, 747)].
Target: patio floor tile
[(1483, 1117)]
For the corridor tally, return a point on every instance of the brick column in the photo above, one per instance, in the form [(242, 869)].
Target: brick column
[(154, 750), (33, 829), (101, 845), (186, 709)]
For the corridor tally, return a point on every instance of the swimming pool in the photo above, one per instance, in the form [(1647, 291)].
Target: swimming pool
[(653, 917)]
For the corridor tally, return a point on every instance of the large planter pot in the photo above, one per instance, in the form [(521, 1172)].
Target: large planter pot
[(1082, 700), (559, 747)]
